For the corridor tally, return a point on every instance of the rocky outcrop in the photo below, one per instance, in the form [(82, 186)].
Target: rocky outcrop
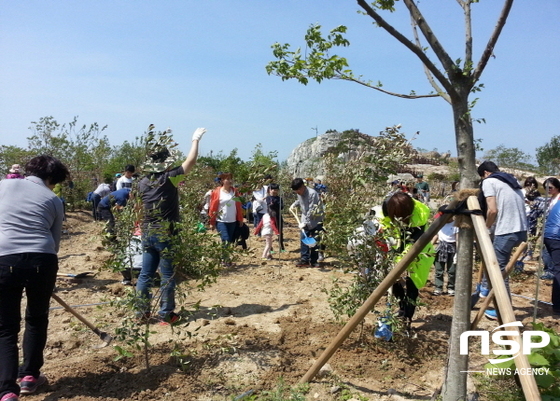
[(306, 160)]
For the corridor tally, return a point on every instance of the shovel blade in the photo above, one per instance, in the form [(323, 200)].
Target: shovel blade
[(309, 241), (105, 337)]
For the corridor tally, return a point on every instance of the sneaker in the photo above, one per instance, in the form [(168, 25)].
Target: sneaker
[(302, 263), (29, 384), (451, 292), (436, 292), (484, 291), (9, 397), (126, 282), (143, 318), (316, 264), (170, 320), (491, 314), (321, 257), (547, 276)]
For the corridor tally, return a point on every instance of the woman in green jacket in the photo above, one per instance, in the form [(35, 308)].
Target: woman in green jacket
[(407, 218)]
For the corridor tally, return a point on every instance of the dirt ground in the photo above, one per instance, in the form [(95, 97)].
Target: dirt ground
[(262, 322)]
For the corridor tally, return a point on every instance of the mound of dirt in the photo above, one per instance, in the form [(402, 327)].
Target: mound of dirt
[(262, 322)]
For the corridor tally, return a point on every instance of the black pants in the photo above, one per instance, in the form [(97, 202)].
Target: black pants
[(280, 227), (407, 297), (311, 254), (36, 273)]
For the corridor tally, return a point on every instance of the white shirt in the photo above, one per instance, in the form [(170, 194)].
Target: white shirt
[(448, 232), (227, 211), (124, 182), (260, 200)]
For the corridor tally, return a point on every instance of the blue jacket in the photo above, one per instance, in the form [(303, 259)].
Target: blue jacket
[(552, 226), (119, 197)]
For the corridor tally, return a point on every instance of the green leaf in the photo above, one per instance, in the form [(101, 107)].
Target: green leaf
[(177, 179), (502, 365), (537, 360), (544, 381)]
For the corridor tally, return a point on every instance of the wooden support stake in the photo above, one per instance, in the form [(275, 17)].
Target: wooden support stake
[(490, 296), (376, 295), (528, 383)]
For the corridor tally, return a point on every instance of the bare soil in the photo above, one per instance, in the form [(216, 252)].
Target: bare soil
[(262, 322)]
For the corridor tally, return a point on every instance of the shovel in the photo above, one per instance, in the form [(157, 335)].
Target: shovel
[(311, 242), (79, 275), (106, 338)]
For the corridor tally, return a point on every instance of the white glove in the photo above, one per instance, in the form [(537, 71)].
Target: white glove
[(455, 258), (302, 225), (198, 134)]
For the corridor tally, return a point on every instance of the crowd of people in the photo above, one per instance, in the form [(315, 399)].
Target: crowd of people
[(31, 234)]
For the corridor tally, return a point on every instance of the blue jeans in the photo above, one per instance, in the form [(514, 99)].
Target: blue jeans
[(95, 199), (257, 217), (503, 245), (157, 255), (547, 260), (553, 247), (36, 273), (226, 231)]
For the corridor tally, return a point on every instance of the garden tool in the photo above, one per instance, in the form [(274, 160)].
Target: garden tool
[(104, 336), (309, 241), (78, 275)]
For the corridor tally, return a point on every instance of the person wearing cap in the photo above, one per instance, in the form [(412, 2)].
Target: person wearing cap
[(115, 180), (422, 188), (503, 205), (160, 198), (15, 172)]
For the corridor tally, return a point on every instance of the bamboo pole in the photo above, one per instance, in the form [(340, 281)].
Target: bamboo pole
[(381, 289), (528, 383)]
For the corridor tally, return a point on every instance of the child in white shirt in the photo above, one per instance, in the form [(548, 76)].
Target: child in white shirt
[(267, 227)]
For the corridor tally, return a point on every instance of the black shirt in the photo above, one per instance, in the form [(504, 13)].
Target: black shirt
[(160, 197)]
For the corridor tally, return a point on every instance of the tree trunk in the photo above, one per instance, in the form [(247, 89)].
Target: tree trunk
[(455, 384)]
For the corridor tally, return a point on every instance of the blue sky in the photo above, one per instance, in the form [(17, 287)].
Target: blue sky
[(187, 64)]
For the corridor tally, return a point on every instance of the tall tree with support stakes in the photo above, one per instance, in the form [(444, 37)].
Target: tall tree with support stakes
[(452, 80)]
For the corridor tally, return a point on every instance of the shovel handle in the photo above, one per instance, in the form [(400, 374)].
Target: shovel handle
[(295, 215), (76, 314)]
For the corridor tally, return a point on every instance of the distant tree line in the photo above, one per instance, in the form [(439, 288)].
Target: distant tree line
[(91, 158)]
